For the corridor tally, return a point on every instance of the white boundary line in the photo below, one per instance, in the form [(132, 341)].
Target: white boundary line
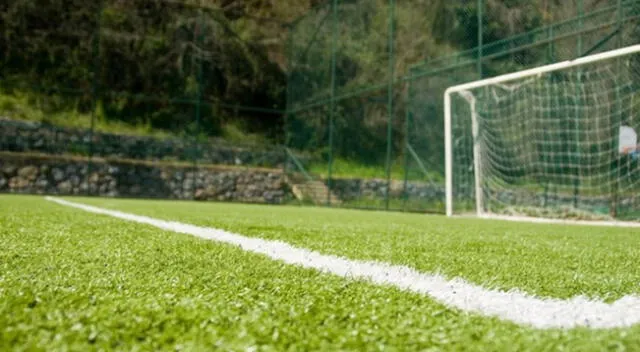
[(528, 219), (513, 306)]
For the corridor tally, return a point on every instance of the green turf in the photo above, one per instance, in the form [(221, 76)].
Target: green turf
[(345, 168), (71, 280), (546, 260)]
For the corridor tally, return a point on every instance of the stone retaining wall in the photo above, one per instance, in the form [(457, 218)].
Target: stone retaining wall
[(25, 136), (359, 189), (352, 189), (41, 174), (58, 175)]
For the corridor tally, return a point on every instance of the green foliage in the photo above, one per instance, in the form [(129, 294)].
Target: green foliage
[(183, 67), (359, 38), (235, 132), (147, 62), (345, 168), (28, 107)]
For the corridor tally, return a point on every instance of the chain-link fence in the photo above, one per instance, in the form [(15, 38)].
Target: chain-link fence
[(583, 28), (147, 83), (356, 121), (371, 115), (344, 100)]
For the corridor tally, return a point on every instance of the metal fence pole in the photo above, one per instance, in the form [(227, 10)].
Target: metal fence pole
[(480, 37), (551, 49), (289, 50), (550, 59), (480, 13), (619, 18), (580, 25), (407, 141), (95, 86), (334, 49), (578, 175), (199, 31), (613, 208), (390, 45)]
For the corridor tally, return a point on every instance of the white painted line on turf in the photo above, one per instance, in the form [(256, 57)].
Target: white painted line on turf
[(513, 306), (606, 223)]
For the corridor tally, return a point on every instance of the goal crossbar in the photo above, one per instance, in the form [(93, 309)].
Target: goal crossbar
[(503, 79)]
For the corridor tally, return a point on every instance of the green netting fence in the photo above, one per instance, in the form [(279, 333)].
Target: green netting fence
[(594, 27), (357, 121), (149, 82), (367, 78)]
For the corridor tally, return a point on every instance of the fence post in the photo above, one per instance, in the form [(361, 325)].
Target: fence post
[(480, 37), (199, 32), (551, 48), (580, 25), (334, 49), (613, 208), (407, 139), (550, 59), (390, 46), (577, 181), (95, 85), (287, 108)]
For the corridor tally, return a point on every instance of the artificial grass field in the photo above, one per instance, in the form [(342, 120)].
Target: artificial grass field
[(74, 280)]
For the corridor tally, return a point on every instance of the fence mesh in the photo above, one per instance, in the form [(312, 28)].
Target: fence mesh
[(582, 28), (356, 120), (144, 84)]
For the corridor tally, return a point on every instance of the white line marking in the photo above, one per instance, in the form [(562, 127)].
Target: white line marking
[(513, 305), (514, 218)]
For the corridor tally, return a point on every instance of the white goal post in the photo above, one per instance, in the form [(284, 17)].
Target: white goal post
[(554, 136)]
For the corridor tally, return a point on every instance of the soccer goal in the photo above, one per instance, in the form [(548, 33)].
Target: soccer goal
[(554, 142)]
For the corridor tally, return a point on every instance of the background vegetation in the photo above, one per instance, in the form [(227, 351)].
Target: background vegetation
[(230, 69), (138, 63)]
